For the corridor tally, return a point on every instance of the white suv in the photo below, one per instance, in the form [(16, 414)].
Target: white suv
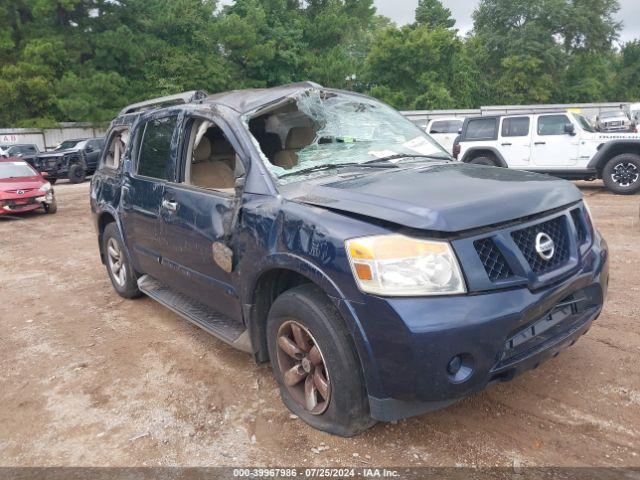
[(445, 131), (563, 144)]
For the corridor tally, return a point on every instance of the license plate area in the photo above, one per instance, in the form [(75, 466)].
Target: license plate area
[(559, 319)]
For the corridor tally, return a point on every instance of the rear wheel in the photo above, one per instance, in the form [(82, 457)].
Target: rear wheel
[(76, 173), (621, 174), (315, 363), (118, 267), (484, 160)]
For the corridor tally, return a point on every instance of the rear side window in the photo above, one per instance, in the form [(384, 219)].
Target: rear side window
[(481, 129), (446, 126), (155, 148), (552, 124), (117, 146), (516, 127)]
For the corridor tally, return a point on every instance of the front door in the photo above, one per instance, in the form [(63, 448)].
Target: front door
[(553, 148), (198, 217), (143, 192)]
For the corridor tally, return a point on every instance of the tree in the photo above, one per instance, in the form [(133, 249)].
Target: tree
[(547, 50), (433, 14), (628, 78), (412, 67)]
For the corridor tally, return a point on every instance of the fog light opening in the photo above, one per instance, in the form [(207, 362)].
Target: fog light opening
[(460, 368)]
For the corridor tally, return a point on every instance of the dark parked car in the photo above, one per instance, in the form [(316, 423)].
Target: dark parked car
[(24, 151), (322, 231), (72, 159)]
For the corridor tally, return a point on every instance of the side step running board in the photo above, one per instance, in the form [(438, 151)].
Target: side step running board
[(223, 327)]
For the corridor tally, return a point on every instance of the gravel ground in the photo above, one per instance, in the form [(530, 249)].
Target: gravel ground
[(90, 379)]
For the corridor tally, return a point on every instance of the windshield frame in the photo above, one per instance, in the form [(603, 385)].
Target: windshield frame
[(582, 121), (21, 164), (438, 153), (59, 148)]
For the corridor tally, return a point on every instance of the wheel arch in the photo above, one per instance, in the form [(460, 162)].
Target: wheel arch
[(610, 150), (475, 152), (281, 273)]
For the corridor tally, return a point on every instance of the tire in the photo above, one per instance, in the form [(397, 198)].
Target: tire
[(484, 160), (50, 208), (621, 174), (76, 173), (123, 279), (346, 410)]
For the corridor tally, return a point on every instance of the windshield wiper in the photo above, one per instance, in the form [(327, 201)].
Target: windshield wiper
[(319, 168)]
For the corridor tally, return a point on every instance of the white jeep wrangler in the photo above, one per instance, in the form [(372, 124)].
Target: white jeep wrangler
[(561, 144)]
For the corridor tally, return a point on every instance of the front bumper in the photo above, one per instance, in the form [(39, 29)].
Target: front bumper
[(22, 204), (495, 335)]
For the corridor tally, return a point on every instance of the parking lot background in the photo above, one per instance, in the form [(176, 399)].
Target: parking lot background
[(90, 379)]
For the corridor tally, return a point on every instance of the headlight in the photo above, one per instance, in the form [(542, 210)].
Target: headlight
[(590, 221), (45, 188), (395, 265)]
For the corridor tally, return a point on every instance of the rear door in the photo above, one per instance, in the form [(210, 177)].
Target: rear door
[(153, 162), (514, 142), (553, 148), (199, 213)]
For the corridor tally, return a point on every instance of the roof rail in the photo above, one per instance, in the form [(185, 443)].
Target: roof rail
[(186, 97)]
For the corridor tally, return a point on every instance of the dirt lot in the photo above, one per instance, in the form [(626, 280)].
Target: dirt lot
[(87, 378)]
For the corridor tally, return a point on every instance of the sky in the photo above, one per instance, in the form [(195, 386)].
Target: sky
[(402, 11)]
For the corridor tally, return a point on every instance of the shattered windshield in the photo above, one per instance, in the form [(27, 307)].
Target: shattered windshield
[(318, 131)]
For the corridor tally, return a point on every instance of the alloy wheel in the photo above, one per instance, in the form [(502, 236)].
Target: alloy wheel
[(303, 369), (115, 259), (625, 174)]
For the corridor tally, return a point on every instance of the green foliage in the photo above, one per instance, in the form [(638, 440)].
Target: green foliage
[(628, 79), (433, 14), (82, 60)]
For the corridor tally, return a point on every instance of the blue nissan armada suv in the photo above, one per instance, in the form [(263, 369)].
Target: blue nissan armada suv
[(322, 231)]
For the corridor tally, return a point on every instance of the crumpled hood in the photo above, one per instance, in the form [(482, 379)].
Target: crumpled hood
[(443, 197), (58, 154)]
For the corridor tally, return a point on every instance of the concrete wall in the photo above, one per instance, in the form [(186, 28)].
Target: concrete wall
[(589, 110), (49, 138)]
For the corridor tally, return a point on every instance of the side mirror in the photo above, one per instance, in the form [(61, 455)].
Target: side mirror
[(44, 174), (570, 129), (460, 132), (240, 181)]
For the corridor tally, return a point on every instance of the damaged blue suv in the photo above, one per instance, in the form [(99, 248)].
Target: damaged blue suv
[(323, 232)]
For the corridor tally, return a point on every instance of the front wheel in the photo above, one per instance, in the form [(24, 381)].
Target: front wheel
[(315, 363), (484, 160), (50, 207), (118, 266), (621, 174), (76, 173)]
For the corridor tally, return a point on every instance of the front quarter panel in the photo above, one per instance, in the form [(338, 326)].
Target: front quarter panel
[(274, 233)]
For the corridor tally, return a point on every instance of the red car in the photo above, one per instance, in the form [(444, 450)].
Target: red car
[(23, 189)]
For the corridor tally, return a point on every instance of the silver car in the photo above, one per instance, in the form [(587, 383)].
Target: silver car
[(614, 121)]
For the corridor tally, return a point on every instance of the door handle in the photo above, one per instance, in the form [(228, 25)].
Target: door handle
[(507, 144), (169, 205), (540, 143)]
